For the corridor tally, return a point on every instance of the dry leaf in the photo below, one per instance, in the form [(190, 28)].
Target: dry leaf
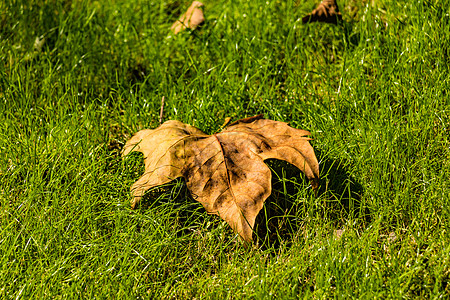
[(190, 19), (327, 11), (338, 233), (225, 171)]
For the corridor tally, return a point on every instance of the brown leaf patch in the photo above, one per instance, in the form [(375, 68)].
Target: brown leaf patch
[(327, 11), (192, 18), (225, 171)]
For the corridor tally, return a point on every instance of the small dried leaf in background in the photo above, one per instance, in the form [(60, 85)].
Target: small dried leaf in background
[(327, 11), (225, 171), (191, 19)]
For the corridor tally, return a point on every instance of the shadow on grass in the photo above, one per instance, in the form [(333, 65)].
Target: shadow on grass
[(292, 205)]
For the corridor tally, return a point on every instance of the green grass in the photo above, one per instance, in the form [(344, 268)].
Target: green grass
[(374, 92)]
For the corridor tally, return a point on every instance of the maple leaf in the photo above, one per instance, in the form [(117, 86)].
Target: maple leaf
[(225, 171), (192, 18), (327, 11)]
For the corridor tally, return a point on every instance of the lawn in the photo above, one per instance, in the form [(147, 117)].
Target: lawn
[(79, 78)]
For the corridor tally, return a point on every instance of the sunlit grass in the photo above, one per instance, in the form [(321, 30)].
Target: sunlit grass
[(78, 78)]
